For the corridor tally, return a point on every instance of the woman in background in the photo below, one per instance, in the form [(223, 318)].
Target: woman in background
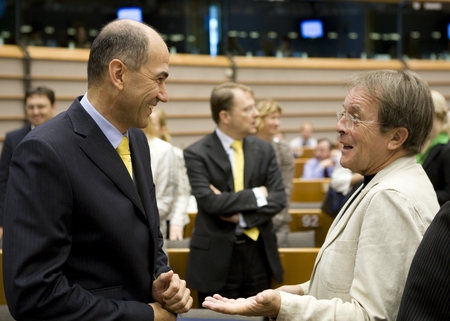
[(267, 125), (163, 161), (179, 212), (435, 156)]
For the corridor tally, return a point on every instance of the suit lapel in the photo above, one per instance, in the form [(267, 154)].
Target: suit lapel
[(218, 155), (251, 153), (102, 154)]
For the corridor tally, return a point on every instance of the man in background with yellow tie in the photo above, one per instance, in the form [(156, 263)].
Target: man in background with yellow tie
[(238, 187), (81, 226)]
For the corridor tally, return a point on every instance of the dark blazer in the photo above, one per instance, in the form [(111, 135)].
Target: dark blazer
[(437, 167), (427, 291), (12, 139), (212, 241), (81, 239)]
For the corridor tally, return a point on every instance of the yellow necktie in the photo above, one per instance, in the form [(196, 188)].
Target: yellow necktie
[(124, 152), (238, 175)]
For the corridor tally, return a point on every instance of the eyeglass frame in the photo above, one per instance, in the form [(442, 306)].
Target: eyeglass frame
[(349, 119)]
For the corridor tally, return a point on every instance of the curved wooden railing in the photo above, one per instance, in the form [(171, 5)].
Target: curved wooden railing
[(307, 89)]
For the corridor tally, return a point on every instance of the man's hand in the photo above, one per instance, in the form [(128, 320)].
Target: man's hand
[(264, 190), (293, 289), (327, 162), (176, 233), (231, 219), (171, 292), (266, 303), (161, 314), (214, 189)]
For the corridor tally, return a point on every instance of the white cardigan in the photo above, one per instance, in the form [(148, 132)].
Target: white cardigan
[(361, 269)]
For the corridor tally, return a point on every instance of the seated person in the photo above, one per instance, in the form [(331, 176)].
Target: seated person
[(303, 140), (322, 164)]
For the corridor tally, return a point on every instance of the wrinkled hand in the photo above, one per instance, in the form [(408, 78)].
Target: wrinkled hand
[(266, 303), (176, 233), (171, 292), (161, 314), (293, 289)]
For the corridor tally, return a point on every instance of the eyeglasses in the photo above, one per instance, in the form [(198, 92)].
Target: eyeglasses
[(350, 121)]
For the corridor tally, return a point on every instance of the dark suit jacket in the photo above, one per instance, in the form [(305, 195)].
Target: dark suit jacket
[(12, 139), (427, 291), (211, 244), (437, 167), (81, 240)]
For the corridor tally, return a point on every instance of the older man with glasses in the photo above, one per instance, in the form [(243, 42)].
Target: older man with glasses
[(361, 269)]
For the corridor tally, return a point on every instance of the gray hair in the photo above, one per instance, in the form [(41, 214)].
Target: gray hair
[(404, 101)]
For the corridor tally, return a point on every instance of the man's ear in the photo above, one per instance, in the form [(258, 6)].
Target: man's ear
[(224, 117), (116, 73), (399, 136)]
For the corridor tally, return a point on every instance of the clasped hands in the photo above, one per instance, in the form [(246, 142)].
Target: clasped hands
[(171, 296), (234, 218)]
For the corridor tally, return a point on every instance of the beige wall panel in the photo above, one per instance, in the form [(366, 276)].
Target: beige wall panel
[(296, 106), (64, 88), (59, 68), (294, 122), (185, 140), (191, 73), (275, 91), (318, 134), (191, 124), (7, 126), (11, 87), (185, 107), (11, 67), (189, 90), (11, 107), (247, 75)]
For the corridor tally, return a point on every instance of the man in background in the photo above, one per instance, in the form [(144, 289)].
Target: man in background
[(305, 139), (322, 164), (82, 238), (40, 106), (238, 186)]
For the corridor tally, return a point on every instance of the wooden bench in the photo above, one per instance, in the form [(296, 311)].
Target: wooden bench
[(309, 190), (305, 219), (299, 163), (297, 263), (2, 289)]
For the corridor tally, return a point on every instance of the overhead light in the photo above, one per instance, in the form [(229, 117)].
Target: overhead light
[(432, 6)]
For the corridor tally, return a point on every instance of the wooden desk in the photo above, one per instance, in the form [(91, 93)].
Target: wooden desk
[(309, 190)]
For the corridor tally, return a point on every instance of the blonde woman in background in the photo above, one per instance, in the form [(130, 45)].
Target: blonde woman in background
[(435, 156), (179, 213), (163, 161), (268, 123)]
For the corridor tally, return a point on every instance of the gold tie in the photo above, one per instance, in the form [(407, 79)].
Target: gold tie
[(238, 174), (124, 152)]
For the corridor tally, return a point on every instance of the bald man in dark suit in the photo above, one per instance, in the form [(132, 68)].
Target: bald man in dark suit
[(82, 238)]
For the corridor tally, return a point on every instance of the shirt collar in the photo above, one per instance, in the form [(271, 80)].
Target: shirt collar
[(224, 139), (112, 133)]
